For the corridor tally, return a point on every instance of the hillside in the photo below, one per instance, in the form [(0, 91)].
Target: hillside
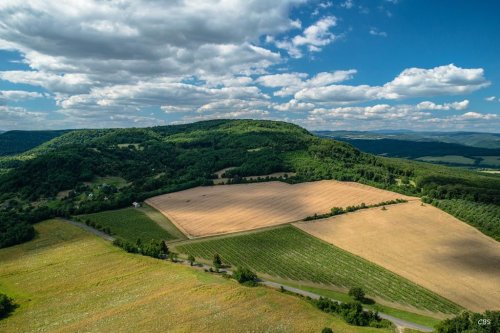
[(88, 171), (67, 280), (14, 142)]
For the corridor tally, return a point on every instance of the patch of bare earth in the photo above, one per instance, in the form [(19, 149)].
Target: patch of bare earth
[(424, 245), (212, 210)]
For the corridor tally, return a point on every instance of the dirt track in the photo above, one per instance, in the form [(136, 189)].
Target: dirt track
[(204, 211), (423, 244)]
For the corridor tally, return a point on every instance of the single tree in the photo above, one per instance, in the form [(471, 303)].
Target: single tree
[(217, 261), (191, 259), (357, 293), (163, 247)]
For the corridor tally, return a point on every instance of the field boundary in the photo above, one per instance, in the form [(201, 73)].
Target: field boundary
[(181, 229), (219, 210)]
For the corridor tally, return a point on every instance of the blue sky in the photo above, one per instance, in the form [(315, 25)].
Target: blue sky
[(349, 64)]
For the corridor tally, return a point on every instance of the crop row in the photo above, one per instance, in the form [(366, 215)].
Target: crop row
[(290, 253)]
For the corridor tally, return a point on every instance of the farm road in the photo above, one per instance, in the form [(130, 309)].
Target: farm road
[(396, 321)]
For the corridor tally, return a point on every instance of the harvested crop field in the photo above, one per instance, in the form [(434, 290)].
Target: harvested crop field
[(213, 210), (424, 245)]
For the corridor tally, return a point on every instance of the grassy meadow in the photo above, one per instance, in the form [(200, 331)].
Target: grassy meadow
[(67, 280), (133, 223), (289, 253)]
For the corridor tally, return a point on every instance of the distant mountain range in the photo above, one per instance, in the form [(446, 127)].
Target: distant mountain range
[(478, 150), (473, 139)]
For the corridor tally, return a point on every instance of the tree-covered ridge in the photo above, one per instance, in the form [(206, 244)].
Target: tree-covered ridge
[(60, 176), (14, 142)]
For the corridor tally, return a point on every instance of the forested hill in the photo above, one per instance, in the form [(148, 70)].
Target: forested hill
[(85, 171), (14, 142)]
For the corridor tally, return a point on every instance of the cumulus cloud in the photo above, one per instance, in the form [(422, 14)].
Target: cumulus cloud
[(121, 56), (18, 95), (394, 116), (109, 63), (426, 105), (314, 37), (141, 37), (490, 99), (477, 116), (290, 83), (60, 83), (19, 117), (412, 82)]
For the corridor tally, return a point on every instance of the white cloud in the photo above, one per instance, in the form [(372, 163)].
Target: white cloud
[(281, 80), (19, 117), (412, 82), (490, 99), (394, 116), (139, 36), (290, 83), (294, 106), (60, 83), (314, 37), (426, 105), (347, 4), (376, 32), (477, 116), (442, 80), (18, 95)]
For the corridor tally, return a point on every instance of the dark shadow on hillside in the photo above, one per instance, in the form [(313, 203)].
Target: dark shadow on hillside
[(472, 255)]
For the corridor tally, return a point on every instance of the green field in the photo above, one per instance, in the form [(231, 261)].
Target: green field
[(133, 223), (454, 159), (67, 280), (490, 160), (292, 254)]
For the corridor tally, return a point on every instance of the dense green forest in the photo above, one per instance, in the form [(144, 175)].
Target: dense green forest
[(14, 142), (68, 175)]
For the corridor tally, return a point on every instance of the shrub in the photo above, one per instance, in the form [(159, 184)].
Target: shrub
[(6, 305), (245, 275), (327, 330)]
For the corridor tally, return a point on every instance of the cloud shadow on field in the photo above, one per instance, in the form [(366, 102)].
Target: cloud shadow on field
[(471, 255)]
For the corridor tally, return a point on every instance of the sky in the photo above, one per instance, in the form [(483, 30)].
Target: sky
[(330, 65)]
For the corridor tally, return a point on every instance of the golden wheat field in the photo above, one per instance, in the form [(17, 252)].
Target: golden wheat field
[(67, 280), (424, 245), (212, 210)]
